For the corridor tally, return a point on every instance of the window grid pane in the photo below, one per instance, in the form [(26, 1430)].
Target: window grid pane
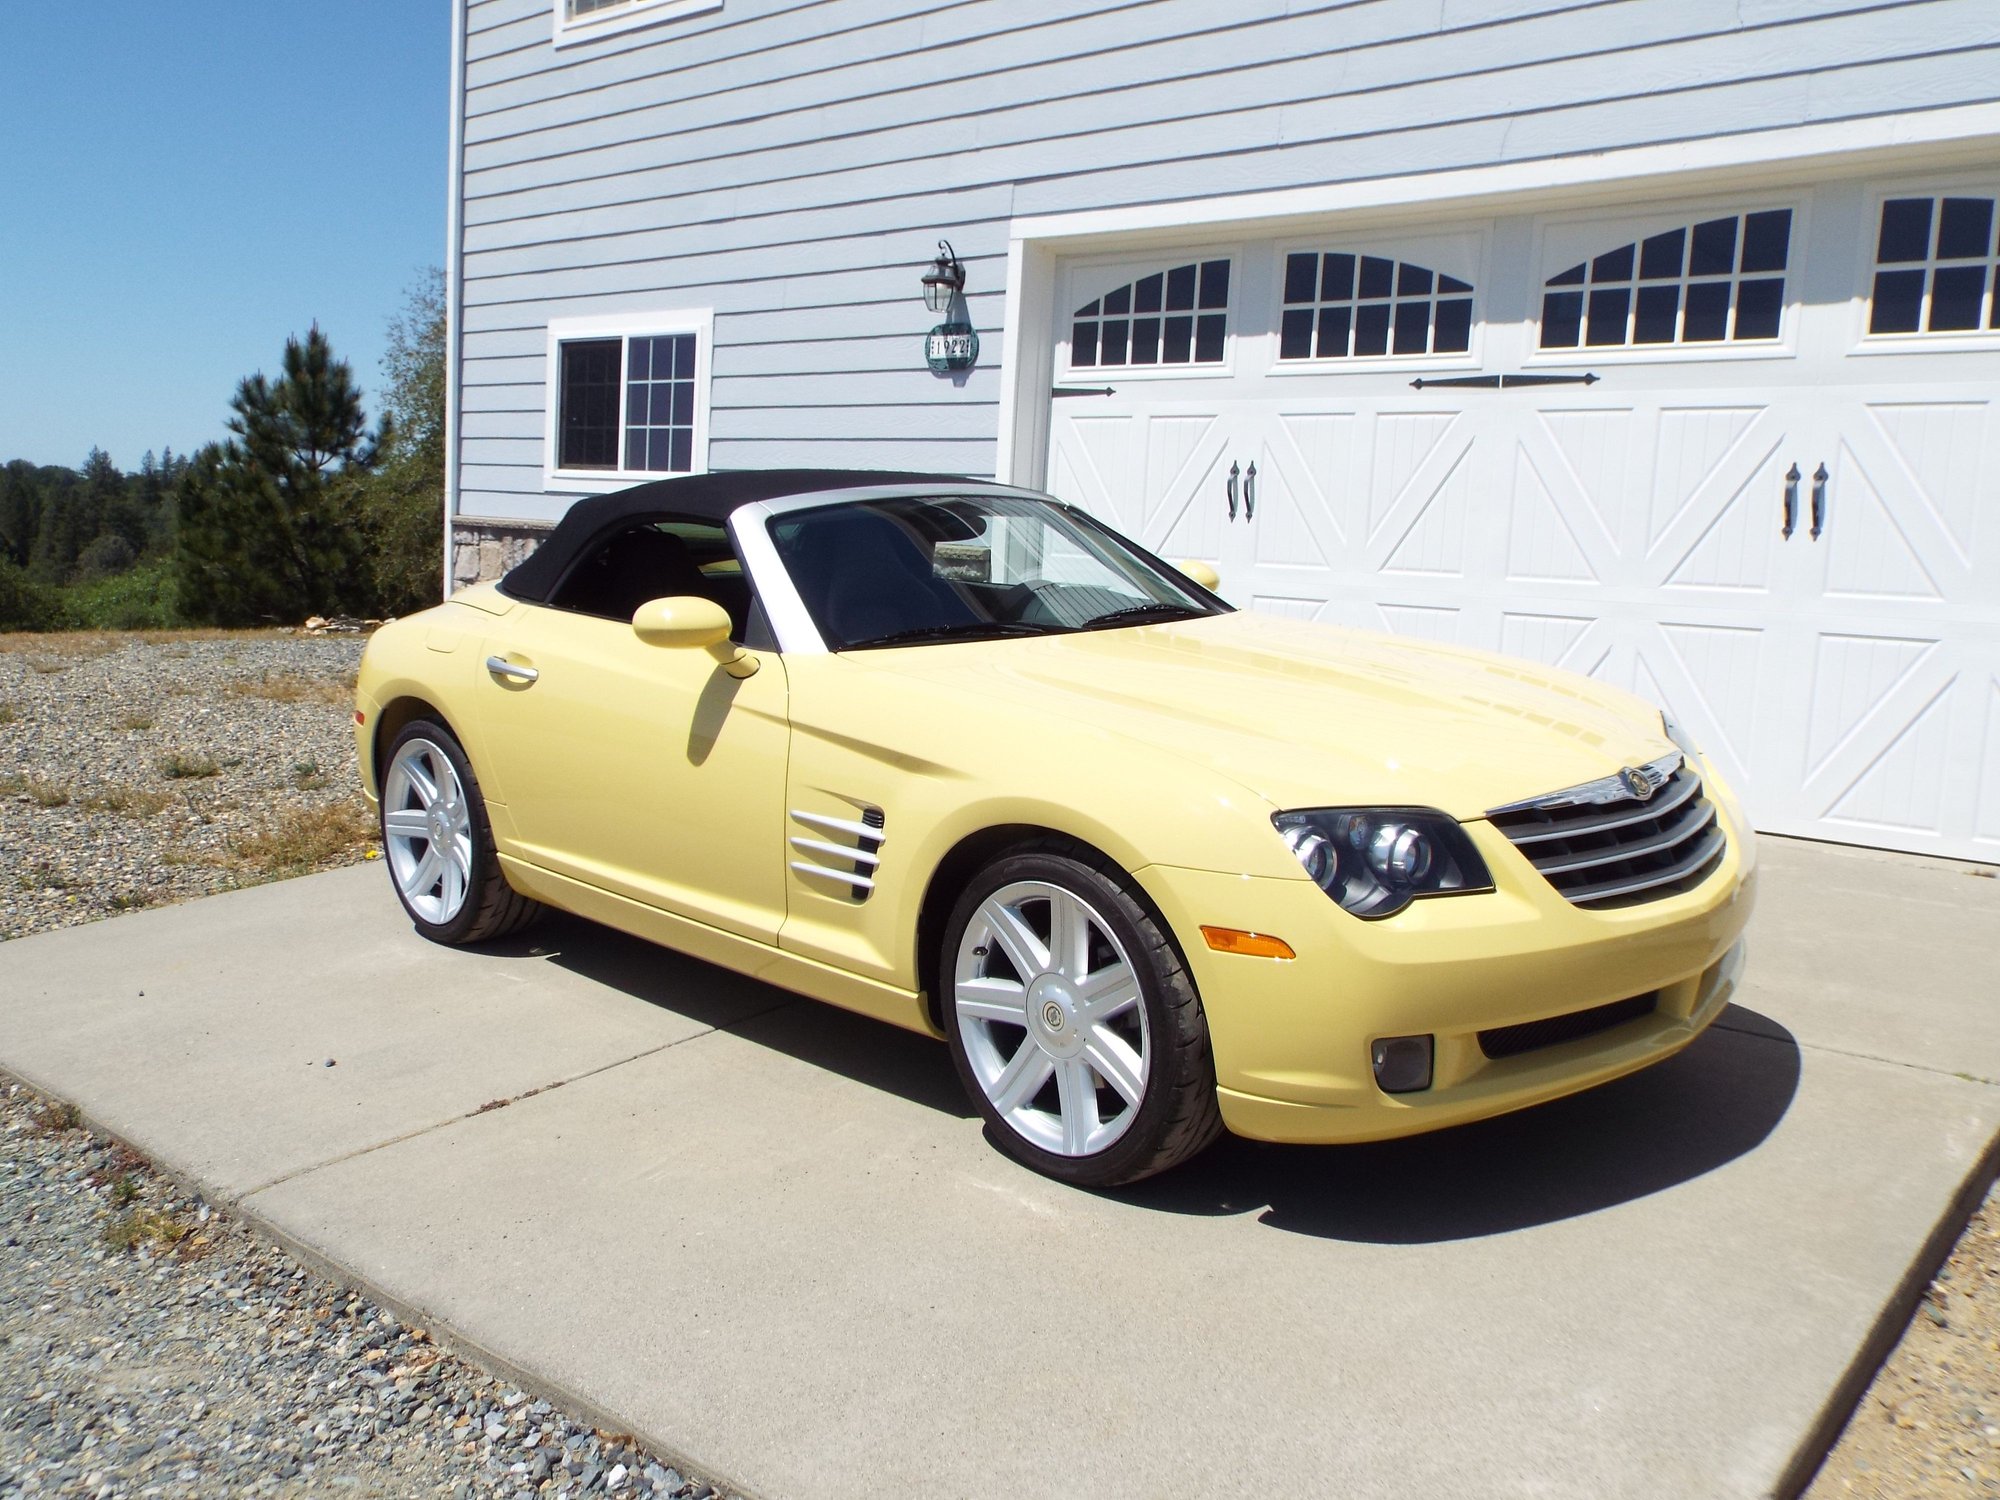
[(1172, 317), (1936, 265), (659, 404), (1389, 307), (1719, 281)]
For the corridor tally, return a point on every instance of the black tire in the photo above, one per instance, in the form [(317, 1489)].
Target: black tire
[(491, 908), (1176, 1115)]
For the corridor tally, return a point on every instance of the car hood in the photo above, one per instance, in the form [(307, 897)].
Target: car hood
[(1307, 715)]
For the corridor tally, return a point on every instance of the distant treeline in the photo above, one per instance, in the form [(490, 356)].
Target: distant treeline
[(304, 510)]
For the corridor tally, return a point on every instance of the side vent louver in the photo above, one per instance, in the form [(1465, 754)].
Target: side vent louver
[(842, 841)]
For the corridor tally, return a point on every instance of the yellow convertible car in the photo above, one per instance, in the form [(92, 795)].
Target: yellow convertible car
[(957, 756)]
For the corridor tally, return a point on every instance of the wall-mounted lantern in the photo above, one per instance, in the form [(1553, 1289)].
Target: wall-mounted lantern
[(944, 280)]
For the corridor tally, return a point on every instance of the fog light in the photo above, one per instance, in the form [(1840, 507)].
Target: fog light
[(1402, 1064)]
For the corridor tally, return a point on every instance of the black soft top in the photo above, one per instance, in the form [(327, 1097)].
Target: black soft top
[(707, 497)]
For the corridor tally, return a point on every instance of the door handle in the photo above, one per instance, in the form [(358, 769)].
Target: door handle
[(499, 666), (1234, 470), (1250, 492), (1791, 511), (1819, 501)]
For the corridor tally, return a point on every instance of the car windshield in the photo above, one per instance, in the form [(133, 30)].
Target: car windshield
[(913, 570)]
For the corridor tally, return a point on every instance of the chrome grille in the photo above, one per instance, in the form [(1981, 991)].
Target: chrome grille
[(1602, 845)]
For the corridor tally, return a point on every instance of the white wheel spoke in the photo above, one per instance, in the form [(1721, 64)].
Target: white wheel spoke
[(1111, 991), (1079, 1104), (991, 999), (426, 874), (420, 781), (1022, 1078), (1116, 1063), (1017, 940), (454, 880), (1069, 936), (408, 823)]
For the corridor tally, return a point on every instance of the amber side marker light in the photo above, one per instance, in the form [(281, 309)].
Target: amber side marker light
[(1251, 944)]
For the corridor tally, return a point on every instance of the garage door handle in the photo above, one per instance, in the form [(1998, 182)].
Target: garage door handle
[(1234, 470), (1791, 512), (1250, 493), (499, 666), (1819, 501)]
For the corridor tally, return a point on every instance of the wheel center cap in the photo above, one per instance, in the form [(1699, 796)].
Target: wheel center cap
[(1052, 1008)]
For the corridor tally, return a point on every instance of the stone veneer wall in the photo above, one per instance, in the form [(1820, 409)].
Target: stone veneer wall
[(482, 550)]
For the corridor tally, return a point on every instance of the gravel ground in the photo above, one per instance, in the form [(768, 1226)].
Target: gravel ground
[(141, 769), (150, 1346), (1930, 1423)]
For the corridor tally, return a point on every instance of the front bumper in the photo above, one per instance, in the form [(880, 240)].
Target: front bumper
[(1291, 1037)]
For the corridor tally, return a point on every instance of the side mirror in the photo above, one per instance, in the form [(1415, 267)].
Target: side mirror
[(1201, 573), (687, 621)]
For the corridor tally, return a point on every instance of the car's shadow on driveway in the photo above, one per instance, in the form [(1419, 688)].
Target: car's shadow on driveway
[(1642, 1134), (1639, 1135)]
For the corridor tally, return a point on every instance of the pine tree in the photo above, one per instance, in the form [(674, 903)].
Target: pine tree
[(268, 526)]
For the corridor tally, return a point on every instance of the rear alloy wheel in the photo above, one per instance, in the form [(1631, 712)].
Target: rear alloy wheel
[(438, 844), (1073, 1023)]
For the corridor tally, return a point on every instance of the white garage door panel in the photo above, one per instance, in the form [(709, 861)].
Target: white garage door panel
[(1847, 684)]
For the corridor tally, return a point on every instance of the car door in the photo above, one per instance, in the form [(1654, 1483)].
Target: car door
[(644, 770)]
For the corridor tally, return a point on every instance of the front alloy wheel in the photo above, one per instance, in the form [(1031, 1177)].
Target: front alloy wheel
[(438, 843), (1073, 1023)]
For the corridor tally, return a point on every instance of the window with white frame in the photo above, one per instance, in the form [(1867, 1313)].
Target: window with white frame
[(1718, 281), (1935, 267), (628, 396), (582, 20), (1340, 305), (1178, 316)]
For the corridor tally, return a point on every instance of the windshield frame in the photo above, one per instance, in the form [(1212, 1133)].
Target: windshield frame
[(797, 632)]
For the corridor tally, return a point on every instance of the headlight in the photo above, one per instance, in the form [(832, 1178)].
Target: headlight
[(1680, 737), (1376, 861)]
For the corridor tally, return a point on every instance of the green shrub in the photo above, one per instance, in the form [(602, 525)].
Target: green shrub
[(142, 598), (26, 604)]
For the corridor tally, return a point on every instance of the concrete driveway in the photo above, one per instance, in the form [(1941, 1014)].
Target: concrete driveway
[(769, 1237)]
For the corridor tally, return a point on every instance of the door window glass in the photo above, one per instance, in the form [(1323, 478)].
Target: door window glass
[(1715, 282), (661, 558), (1178, 316), (1340, 305), (1935, 267)]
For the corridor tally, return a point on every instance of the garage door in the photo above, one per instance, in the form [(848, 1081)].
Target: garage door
[(1738, 455)]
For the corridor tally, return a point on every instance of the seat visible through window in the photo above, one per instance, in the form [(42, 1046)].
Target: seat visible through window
[(659, 560)]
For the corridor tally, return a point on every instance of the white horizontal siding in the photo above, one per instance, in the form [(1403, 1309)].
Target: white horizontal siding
[(791, 163)]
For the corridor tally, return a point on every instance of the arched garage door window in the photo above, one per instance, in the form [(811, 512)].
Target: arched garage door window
[(1719, 281), (1173, 317), (1345, 306)]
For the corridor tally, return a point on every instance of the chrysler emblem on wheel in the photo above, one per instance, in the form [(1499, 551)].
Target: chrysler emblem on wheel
[(1052, 1015)]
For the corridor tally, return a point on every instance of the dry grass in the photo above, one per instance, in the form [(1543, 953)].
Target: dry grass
[(7, 714), (296, 687), (128, 801), (305, 838), (147, 1229), (53, 1116), (41, 792), (136, 721), (179, 767)]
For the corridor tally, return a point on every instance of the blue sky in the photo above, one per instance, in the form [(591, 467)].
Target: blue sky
[(182, 185)]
